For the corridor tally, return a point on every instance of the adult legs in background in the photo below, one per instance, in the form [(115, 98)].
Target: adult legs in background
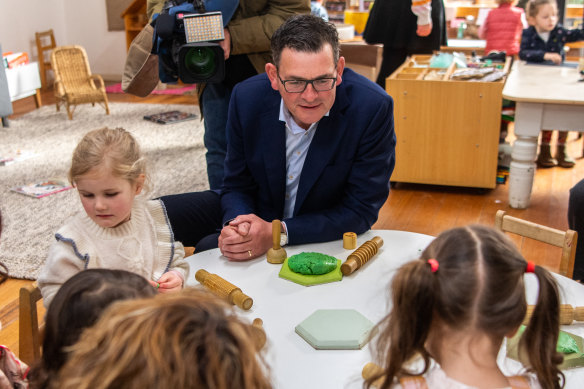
[(215, 105), (544, 158), (195, 218), (564, 160), (392, 59), (576, 223)]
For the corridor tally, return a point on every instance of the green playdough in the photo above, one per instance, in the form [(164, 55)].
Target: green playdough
[(312, 263)]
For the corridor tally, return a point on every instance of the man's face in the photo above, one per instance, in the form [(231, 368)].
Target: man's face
[(309, 106)]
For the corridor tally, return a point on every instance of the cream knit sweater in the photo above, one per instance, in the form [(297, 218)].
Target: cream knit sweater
[(143, 245)]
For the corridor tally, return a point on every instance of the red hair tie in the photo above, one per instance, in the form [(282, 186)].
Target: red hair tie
[(433, 265), (530, 268)]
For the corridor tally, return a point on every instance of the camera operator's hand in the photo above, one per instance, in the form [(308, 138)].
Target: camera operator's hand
[(226, 43)]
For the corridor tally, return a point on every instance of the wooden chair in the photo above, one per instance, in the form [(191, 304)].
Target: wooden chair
[(30, 337), (566, 240), (74, 83), (45, 41)]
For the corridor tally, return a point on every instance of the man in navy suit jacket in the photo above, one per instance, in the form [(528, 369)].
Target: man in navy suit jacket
[(310, 143)]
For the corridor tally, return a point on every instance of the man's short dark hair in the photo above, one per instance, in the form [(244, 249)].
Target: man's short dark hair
[(306, 33)]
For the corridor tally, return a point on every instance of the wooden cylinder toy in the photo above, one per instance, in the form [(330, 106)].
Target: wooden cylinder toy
[(360, 256), (370, 370), (224, 289), (567, 314), (276, 254), (258, 334), (349, 240)]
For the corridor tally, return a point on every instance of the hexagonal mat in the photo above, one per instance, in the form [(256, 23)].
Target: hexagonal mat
[(336, 329), (311, 279)]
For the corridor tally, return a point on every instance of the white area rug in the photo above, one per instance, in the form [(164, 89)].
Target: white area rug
[(175, 153)]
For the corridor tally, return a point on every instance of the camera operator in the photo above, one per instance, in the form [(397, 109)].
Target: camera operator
[(247, 50)]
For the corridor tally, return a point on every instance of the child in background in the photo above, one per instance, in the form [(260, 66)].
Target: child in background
[(78, 305), (118, 229), (184, 340), (542, 42), (456, 304), (502, 28)]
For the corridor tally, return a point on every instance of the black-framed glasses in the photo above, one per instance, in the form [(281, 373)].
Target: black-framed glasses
[(298, 86)]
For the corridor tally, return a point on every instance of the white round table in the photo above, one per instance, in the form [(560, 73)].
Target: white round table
[(283, 304)]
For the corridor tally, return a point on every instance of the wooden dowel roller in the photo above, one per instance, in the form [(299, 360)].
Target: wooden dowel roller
[(360, 256), (567, 314), (224, 289)]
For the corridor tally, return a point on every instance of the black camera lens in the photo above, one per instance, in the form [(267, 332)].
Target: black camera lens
[(201, 61)]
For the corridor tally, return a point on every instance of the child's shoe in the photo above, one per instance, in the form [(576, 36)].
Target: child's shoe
[(544, 159), (564, 160)]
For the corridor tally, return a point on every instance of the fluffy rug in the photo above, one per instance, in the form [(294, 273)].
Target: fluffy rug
[(175, 153)]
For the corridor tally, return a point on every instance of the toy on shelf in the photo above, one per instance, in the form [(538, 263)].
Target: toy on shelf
[(349, 240), (258, 334), (568, 314), (276, 254), (224, 289), (360, 256)]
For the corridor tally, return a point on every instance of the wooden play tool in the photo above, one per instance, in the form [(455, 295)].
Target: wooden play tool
[(258, 334), (567, 314), (220, 287), (371, 369), (349, 240), (276, 254), (360, 256)]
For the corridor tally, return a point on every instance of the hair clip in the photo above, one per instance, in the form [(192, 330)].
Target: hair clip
[(433, 265), (530, 268)]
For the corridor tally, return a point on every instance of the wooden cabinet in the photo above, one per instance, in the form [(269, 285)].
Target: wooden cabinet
[(447, 131), (134, 20), (24, 81)]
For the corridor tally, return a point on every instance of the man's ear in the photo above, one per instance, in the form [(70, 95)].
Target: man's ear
[(340, 69), (272, 73), (140, 183)]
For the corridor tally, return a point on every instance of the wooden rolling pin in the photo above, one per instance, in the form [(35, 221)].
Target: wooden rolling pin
[(220, 287), (567, 314), (371, 369), (360, 256)]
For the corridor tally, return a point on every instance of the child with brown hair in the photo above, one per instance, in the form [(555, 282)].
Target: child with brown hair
[(184, 340), (119, 229), (78, 305), (456, 304), (544, 42)]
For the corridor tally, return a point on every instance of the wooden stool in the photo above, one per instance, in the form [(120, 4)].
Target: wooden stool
[(45, 41)]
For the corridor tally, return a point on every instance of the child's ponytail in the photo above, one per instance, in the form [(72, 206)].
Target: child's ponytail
[(541, 335), (406, 328)]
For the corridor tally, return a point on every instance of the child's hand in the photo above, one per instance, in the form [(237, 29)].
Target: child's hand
[(554, 57), (424, 29), (169, 282)]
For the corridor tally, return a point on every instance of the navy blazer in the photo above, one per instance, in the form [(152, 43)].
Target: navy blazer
[(345, 177)]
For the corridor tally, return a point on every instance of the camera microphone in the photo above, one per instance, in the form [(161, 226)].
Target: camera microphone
[(165, 26)]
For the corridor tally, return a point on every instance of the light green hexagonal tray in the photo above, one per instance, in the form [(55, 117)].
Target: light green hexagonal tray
[(311, 279)]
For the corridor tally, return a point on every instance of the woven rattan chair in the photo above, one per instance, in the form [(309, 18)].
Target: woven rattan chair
[(74, 83)]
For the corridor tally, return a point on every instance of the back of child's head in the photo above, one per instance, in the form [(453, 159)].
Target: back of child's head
[(533, 6), (113, 149), (469, 279), (78, 305), (189, 339)]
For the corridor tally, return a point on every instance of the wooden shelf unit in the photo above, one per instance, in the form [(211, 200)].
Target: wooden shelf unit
[(134, 20), (447, 130)]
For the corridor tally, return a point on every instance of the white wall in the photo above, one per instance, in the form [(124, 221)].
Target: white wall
[(80, 22)]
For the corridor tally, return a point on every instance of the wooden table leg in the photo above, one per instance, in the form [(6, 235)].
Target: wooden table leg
[(37, 98)]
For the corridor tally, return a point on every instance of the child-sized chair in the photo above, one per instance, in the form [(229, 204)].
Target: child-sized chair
[(74, 83), (30, 336), (566, 240)]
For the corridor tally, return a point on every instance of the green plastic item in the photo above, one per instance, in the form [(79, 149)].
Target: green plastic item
[(312, 263), (311, 279)]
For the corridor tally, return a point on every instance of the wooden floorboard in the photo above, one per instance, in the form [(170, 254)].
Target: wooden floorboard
[(426, 209)]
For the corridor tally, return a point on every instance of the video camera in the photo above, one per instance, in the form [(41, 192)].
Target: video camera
[(184, 39)]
